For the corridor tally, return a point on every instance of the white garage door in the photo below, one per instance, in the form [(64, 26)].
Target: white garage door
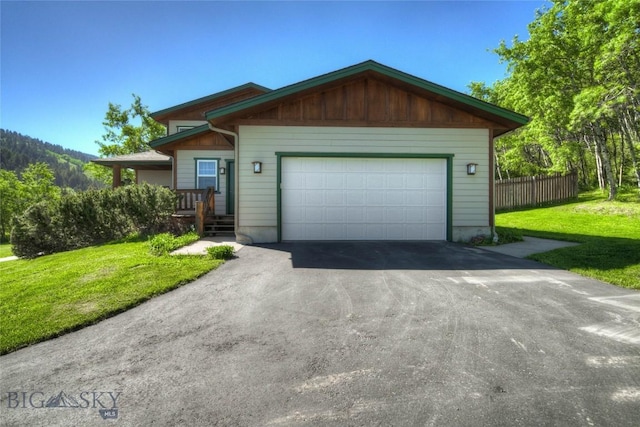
[(363, 199)]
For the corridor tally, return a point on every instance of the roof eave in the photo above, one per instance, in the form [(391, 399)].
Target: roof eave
[(158, 114), (179, 136), (218, 115)]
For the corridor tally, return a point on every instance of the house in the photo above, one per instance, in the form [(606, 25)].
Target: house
[(363, 153)]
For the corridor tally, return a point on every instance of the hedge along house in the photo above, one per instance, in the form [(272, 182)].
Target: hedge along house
[(362, 153)]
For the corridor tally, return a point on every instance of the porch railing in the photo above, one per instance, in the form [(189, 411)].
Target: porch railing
[(187, 199)]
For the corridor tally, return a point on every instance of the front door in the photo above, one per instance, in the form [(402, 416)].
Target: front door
[(231, 187)]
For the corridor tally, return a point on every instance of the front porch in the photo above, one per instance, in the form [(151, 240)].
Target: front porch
[(197, 207)]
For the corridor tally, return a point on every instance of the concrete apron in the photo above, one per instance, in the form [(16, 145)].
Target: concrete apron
[(200, 247), (529, 246)]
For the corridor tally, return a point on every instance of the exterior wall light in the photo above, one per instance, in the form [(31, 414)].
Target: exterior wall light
[(223, 171), (471, 168), (257, 167)]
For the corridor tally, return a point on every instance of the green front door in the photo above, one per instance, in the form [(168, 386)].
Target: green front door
[(231, 187)]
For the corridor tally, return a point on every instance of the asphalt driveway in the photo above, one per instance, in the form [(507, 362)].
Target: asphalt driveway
[(346, 334)]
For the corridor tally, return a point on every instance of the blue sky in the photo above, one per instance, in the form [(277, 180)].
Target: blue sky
[(63, 62)]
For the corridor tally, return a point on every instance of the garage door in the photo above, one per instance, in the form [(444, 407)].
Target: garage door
[(363, 199)]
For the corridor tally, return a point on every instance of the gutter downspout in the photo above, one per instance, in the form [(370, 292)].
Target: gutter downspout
[(236, 176)]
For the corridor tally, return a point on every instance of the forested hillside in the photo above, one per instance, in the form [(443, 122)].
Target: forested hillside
[(17, 151)]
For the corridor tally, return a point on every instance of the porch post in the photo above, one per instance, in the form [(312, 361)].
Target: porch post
[(200, 218), (117, 176)]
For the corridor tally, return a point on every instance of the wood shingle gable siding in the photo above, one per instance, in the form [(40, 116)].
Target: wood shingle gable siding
[(367, 94), (194, 110), (366, 102)]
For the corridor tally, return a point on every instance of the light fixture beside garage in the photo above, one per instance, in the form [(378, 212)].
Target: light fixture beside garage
[(223, 171), (257, 167), (471, 168)]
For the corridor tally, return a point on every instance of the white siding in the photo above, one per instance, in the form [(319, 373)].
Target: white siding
[(257, 192), (186, 172), (155, 177)]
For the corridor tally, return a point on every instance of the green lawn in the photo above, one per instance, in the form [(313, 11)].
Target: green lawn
[(48, 296), (609, 233), (5, 250)]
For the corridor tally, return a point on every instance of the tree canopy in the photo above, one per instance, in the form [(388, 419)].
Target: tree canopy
[(577, 78), (37, 184), (127, 131)]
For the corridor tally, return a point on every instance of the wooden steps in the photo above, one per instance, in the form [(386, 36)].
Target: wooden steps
[(216, 225)]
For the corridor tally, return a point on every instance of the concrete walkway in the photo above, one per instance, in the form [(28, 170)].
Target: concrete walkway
[(9, 258), (200, 247), (530, 246)]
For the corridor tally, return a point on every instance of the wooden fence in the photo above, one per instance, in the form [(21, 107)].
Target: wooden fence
[(534, 190)]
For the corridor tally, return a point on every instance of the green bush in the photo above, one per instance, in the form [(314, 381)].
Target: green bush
[(162, 244), (508, 235), (220, 252), (78, 220)]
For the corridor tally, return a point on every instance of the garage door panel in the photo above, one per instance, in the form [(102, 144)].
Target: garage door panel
[(374, 214), (374, 199), (415, 215), (394, 216), (355, 181), (335, 181), (313, 198), (363, 199), (334, 198), (435, 183), (415, 181), (355, 198), (355, 215), (394, 198), (375, 182), (396, 181)]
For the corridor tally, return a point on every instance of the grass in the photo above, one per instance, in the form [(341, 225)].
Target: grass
[(609, 233), (5, 250), (49, 296)]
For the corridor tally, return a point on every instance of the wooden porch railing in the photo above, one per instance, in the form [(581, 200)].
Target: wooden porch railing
[(188, 198)]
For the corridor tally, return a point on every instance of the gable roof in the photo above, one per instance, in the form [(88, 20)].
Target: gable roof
[(441, 93), (179, 136), (251, 89), (136, 159)]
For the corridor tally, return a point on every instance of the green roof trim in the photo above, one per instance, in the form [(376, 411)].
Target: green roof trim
[(364, 67), (178, 136), (210, 98)]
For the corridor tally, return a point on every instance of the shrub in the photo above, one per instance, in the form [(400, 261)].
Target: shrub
[(508, 235), (162, 244), (220, 252), (78, 220)]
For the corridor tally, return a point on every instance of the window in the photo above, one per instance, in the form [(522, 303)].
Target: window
[(207, 173), (183, 128)]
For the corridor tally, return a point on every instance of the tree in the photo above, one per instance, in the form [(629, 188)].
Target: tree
[(127, 131), (577, 78), (38, 181), (10, 200), (37, 184)]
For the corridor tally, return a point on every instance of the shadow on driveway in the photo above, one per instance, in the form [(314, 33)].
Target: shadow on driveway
[(433, 255)]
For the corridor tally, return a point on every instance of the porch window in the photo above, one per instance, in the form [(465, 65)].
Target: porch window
[(207, 173)]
